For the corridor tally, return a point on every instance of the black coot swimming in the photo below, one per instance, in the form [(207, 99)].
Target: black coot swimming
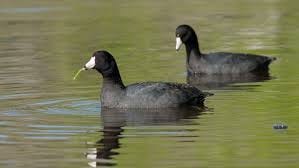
[(219, 62), (140, 95)]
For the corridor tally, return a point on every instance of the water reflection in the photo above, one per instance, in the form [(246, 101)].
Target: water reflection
[(114, 121), (101, 154), (208, 82)]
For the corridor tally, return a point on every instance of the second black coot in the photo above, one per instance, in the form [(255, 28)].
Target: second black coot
[(218, 62)]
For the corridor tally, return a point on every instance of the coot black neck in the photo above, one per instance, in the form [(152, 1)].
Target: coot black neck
[(112, 79), (192, 48)]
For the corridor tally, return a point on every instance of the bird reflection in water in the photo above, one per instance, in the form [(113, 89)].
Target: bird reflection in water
[(101, 154), (225, 81)]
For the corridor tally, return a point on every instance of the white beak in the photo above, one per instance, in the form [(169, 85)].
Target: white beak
[(178, 43), (90, 64)]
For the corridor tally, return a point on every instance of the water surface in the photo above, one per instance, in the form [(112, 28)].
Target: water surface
[(49, 120)]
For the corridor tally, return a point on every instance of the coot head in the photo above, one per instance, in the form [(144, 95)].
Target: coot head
[(185, 34), (103, 62)]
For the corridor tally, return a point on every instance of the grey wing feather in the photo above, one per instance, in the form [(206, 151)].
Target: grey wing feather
[(236, 62), (163, 94)]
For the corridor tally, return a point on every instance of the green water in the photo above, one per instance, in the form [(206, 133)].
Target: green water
[(49, 120)]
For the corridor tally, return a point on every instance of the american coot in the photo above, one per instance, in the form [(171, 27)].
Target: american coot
[(140, 95), (219, 62)]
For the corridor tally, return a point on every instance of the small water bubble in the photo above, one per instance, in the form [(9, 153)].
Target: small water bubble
[(280, 126)]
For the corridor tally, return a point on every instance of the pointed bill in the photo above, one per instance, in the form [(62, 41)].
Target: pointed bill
[(90, 64), (178, 43)]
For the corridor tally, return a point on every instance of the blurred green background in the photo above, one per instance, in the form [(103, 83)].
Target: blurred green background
[(46, 119)]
